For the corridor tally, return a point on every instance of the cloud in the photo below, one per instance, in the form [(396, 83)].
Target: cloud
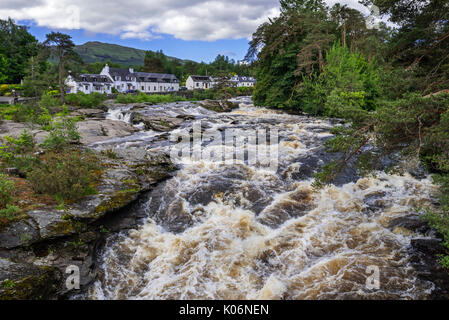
[(148, 19)]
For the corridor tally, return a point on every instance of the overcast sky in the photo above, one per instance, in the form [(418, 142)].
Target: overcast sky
[(146, 23)]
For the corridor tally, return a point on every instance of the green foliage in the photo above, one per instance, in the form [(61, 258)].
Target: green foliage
[(69, 175), (81, 99), (18, 153), (17, 47), (63, 134), (145, 98), (49, 101), (347, 84), (6, 191), (9, 212)]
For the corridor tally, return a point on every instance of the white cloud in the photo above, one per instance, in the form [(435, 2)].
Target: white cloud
[(145, 19)]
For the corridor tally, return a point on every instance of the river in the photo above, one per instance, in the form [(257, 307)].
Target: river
[(246, 231)]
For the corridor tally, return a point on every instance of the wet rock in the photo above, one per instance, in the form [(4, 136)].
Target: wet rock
[(424, 257), (374, 202), (90, 113), (92, 131), (160, 123), (20, 281), (19, 233), (414, 223), (428, 246), (218, 106)]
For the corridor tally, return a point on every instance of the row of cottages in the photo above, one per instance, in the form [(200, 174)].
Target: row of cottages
[(206, 82), (123, 80)]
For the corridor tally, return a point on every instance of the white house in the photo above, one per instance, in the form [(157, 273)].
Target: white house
[(123, 80), (199, 82), (246, 82), (126, 80), (156, 82), (89, 83)]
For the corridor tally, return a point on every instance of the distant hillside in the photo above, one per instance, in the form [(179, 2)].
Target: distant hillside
[(101, 52)]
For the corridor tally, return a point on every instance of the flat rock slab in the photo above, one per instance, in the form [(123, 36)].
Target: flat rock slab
[(14, 129), (51, 224), (92, 131)]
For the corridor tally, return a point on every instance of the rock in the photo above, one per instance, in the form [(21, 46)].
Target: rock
[(92, 131), (19, 233), (160, 123), (20, 281), (14, 129), (90, 113), (51, 224), (412, 222), (431, 247), (219, 106)]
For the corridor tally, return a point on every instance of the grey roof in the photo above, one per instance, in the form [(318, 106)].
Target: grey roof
[(201, 78), (91, 77), (123, 73), (155, 77)]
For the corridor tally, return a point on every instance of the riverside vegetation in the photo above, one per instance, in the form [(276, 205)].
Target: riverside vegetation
[(389, 84)]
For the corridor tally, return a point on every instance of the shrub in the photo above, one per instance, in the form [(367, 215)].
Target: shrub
[(81, 99), (48, 101), (6, 190), (18, 153), (63, 134), (9, 212), (70, 176), (148, 98)]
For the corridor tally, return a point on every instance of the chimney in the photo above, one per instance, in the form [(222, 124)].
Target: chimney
[(131, 70)]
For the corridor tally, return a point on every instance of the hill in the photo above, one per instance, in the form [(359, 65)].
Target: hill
[(101, 52)]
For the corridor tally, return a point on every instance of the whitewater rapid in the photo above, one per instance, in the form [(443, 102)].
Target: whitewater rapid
[(241, 231)]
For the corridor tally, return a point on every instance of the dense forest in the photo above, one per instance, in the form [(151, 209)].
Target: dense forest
[(389, 82)]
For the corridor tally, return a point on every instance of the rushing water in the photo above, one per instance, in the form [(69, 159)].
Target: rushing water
[(240, 231)]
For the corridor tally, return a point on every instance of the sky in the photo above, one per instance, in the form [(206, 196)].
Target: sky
[(198, 30)]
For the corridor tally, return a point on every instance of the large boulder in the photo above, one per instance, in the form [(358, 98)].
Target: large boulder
[(92, 131), (160, 123), (219, 105)]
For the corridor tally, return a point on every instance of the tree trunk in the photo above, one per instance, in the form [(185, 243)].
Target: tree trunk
[(320, 58), (61, 74), (344, 34)]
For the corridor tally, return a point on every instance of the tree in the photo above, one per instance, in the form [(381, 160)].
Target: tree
[(17, 46), (421, 42), (154, 62), (62, 47), (3, 69)]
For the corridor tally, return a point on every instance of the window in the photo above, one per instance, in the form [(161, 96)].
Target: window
[(143, 88), (197, 84), (87, 88)]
